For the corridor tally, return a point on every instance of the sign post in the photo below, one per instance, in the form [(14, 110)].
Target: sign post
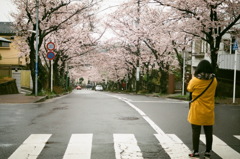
[(235, 47), (50, 46), (51, 61), (51, 56)]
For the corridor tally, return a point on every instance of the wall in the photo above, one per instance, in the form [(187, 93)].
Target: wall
[(17, 75), (10, 55), (26, 80), (9, 87)]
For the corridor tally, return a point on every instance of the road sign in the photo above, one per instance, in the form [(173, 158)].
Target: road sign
[(50, 55), (235, 45), (50, 46)]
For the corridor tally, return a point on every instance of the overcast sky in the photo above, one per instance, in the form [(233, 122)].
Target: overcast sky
[(6, 7)]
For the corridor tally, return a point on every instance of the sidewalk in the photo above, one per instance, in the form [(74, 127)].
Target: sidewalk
[(20, 98)]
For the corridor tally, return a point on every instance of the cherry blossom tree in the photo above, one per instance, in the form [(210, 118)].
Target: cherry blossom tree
[(206, 19), (116, 67), (53, 16), (150, 35), (169, 27), (72, 44), (158, 38), (141, 30)]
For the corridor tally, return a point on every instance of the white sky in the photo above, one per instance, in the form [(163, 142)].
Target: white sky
[(6, 6)]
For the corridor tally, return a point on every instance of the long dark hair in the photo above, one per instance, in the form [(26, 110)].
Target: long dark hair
[(204, 66)]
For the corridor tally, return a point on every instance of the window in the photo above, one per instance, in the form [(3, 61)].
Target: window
[(4, 44), (226, 45), (198, 46)]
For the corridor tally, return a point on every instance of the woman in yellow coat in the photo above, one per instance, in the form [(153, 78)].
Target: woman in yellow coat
[(201, 112)]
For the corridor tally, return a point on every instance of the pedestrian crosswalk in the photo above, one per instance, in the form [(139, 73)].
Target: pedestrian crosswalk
[(173, 145), (79, 147), (125, 147), (31, 147), (221, 148)]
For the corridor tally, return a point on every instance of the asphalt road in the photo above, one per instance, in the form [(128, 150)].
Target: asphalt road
[(101, 125)]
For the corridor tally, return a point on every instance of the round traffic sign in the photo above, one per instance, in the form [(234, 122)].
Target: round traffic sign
[(50, 55), (50, 46)]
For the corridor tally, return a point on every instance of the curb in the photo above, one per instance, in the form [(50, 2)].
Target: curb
[(50, 97)]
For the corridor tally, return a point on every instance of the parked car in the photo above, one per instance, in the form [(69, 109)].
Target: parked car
[(78, 88), (99, 88), (89, 86)]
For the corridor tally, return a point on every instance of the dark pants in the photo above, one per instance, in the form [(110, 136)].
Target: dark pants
[(196, 131)]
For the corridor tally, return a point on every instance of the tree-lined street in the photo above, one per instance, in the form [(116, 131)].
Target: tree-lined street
[(153, 47), (148, 41), (106, 125)]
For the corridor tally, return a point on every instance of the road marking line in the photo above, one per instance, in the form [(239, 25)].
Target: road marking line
[(163, 102), (31, 147), (79, 147), (134, 107), (154, 126), (221, 148), (174, 146), (126, 147), (168, 101), (237, 136)]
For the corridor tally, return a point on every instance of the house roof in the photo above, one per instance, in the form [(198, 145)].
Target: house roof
[(6, 28), (4, 40)]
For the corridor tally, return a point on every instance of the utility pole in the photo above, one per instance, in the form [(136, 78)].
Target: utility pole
[(138, 49), (36, 50), (183, 75), (67, 76)]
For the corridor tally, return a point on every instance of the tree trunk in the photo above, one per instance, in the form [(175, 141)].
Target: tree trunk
[(163, 81)]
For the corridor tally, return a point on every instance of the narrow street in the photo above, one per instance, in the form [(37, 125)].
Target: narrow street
[(98, 125)]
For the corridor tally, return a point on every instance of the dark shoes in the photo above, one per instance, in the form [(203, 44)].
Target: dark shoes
[(207, 155), (194, 154)]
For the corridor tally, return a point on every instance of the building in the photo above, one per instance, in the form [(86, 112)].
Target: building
[(11, 64), (226, 61), (9, 54)]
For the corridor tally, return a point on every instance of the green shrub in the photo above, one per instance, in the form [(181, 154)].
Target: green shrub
[(58, 90)]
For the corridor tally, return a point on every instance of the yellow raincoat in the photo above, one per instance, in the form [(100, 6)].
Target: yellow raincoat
[(201, 111)]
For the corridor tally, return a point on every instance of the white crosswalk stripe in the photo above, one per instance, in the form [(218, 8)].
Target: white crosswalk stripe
[(79, 147), (237, 136), (125, 147), (174, 146), (31, 147), (221, 148)]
